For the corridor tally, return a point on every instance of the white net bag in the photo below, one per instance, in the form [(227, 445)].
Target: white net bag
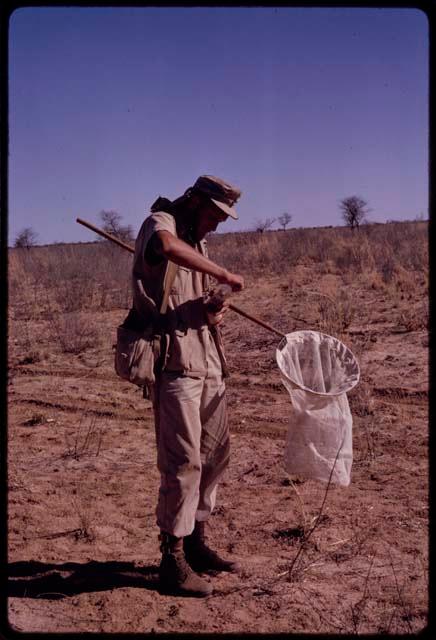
[(318, 371)]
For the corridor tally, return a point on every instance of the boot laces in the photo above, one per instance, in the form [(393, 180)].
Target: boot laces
[(175, 556)]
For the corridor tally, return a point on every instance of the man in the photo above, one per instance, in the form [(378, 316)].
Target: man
[(189, 394)]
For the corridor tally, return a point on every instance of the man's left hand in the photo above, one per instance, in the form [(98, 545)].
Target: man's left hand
[(216, 317)]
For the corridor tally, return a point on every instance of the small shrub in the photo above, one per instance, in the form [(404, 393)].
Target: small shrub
[(373, 280), (336, 314), (388, 269), (85, 531), (415, 319), (74, 332), (361, 399), (87, 440), (75, 294), (31, 357)]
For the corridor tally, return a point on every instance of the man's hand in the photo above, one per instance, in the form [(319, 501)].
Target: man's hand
[(232, 279), (216, 317)]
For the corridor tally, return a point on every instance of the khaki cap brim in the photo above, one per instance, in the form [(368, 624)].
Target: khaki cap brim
[(224, 207)]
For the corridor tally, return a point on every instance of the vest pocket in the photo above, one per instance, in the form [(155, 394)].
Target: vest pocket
[(182, 281), (179, 353)]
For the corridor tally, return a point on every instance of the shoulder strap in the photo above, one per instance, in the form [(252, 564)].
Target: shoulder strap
[(170, 275)]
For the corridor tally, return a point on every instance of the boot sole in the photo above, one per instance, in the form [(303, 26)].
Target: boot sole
[(213, 570)]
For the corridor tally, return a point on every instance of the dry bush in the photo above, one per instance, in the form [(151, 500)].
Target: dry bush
[(81, 506), (22, 348), (73, 332), (331, 313), (361, 399), (336, 314), (87, 439), (353, 254), (415, 319), (362, 404)]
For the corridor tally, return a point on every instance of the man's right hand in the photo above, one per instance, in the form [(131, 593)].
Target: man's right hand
[(233, 279)]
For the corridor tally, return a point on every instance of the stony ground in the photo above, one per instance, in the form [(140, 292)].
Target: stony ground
[(83, 548)]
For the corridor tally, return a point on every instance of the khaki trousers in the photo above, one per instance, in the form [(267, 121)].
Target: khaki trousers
[(193, 445)]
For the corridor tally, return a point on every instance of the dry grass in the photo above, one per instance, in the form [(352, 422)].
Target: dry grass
[(389, 250), (87, 440), (96, 276), (63, 282), (73, 332), (68, 278)]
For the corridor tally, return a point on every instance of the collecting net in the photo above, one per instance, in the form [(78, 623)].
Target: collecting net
[(318, 371)]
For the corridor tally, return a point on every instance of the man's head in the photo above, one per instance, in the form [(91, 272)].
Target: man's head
[(214, 200), (221, 193)]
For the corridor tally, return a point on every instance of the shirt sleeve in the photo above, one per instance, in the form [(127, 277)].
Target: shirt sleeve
[(159, 221)]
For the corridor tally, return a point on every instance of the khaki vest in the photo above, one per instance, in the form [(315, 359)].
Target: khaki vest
[(189, 340)]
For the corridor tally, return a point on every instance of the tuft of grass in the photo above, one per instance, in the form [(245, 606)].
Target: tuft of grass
[(336, 314), (296, 569), (73, 332), (84, 531), (87, 440), (361, 399), (413, 319)]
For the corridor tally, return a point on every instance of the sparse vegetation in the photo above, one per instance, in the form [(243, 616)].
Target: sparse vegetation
[(377, 248), (81, 450), (96, 276)]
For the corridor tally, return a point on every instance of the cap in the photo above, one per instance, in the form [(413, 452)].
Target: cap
[(222, 194)]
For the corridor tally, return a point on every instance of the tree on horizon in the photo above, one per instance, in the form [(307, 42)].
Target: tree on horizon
[(112, 223), (26, 238), (354, 211), (284, 219)]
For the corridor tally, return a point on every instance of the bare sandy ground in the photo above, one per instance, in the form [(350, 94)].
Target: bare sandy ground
[(82, 544)]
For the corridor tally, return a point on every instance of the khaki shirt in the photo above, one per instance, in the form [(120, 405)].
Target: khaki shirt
[(191, 347)]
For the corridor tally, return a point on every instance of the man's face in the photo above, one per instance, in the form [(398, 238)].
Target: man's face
[(208, 218)]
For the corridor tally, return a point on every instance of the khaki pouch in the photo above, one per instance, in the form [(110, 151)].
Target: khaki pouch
[(136, 355)]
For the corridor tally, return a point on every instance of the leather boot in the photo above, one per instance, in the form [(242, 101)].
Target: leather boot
[(175, 574), (201, 557)]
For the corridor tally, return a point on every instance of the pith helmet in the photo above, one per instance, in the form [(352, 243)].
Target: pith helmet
[(222, 194)]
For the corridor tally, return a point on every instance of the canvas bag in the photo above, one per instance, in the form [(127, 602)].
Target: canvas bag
[(137, 351), (318, 371)]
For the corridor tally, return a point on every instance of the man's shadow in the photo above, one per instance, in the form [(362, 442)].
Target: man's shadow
[(31, 579)]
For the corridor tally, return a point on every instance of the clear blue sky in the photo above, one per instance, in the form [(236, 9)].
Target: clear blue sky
[(299, 107)]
